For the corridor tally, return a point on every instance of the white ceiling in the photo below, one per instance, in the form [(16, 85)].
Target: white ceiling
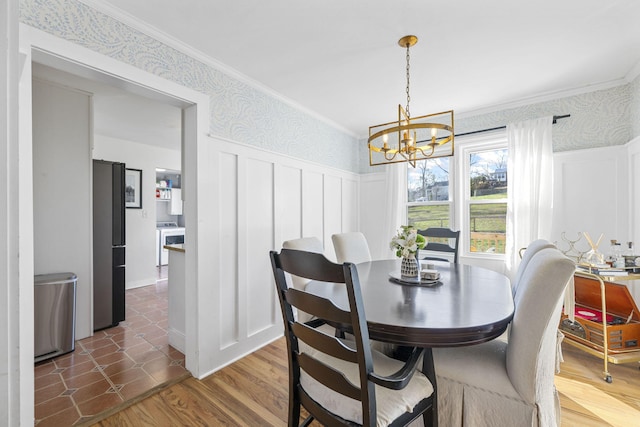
[(340, 59), (121, 114)]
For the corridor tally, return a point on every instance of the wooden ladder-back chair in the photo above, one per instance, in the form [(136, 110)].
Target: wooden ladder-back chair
[(441, 233), (309, 244), (339, 382)]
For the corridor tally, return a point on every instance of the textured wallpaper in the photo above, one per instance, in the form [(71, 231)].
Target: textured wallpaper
[(635, 107), (242, 113), (598, 119), (239, 112)]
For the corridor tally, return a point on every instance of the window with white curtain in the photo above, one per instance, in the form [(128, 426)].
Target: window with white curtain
[(466, 192)]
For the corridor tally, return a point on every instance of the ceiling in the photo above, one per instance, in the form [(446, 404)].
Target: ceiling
[(122, 114), (339, 59)]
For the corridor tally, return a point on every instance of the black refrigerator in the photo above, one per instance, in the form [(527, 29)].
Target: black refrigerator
[(108, 244)]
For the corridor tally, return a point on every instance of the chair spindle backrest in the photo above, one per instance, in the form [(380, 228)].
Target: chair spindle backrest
[(441, 233), (303, 341)]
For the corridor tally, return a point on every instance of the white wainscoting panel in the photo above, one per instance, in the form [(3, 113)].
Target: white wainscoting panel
[(288, 198), (259, 203), (591, 195), (262, 199), (350, 203), (634, 207), (228, 175), (312, 205), (372, 212), (332, 212)]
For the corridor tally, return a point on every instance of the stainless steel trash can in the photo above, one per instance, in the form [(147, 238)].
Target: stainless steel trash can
[(55, 314)]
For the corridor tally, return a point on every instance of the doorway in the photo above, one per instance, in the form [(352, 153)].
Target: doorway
[(188, 112)]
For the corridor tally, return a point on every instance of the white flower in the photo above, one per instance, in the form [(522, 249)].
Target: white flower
[(407, 241)]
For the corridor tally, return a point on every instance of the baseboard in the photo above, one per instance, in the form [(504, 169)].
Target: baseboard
[(141, 283), (177, 340)]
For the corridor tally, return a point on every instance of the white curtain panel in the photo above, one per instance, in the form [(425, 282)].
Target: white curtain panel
[(395, 197), (530, 186)]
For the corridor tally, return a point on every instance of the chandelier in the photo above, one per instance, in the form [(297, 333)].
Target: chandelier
[(418, 138)]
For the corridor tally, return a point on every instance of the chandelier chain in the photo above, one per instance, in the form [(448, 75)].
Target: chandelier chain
[(408, 75)]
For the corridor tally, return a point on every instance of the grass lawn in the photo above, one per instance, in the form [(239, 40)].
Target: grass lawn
[(487, 224)]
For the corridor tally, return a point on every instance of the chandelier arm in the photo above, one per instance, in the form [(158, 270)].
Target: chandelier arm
[(433, 149), (392, 157)]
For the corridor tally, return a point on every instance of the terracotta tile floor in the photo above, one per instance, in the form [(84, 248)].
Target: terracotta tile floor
[(112, 366)]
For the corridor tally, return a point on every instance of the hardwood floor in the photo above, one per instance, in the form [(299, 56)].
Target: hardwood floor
[(588, 401), (253, 392)]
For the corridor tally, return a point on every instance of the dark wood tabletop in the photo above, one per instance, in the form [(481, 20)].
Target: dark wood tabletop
[(471, 305)]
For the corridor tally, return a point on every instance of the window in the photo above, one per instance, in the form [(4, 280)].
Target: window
[(466, 192), (429, 194), (486, 200)]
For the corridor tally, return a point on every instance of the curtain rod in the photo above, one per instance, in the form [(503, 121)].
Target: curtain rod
[(555, 119)]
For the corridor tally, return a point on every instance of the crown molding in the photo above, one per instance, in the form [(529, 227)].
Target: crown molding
[(544, 97), (633, 73), (161, 36)]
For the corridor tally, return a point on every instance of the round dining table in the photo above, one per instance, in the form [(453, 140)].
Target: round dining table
[(467, 305)]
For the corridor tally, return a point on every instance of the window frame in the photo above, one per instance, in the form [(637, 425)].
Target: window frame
[(453, 190), (496, 140), (460, 188)]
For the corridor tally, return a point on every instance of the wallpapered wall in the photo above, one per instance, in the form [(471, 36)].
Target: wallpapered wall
[(635, 107), (239, 112), (242, 113), (600, 118)]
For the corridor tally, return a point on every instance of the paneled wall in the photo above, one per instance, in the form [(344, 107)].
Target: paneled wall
[(264, 199), (598, 191), (591, 194), (373, 209)]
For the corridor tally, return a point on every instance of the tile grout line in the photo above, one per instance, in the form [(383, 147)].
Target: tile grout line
[(142, 304), (105, 376)]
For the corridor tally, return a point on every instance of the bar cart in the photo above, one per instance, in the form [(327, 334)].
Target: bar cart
[(606, 320)]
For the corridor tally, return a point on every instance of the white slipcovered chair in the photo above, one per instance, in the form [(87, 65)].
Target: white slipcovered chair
[(308, 244), (351, 247), (533, 248), (510, 383)]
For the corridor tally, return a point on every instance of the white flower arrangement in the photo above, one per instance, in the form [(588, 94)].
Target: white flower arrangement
[(407, 242)]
